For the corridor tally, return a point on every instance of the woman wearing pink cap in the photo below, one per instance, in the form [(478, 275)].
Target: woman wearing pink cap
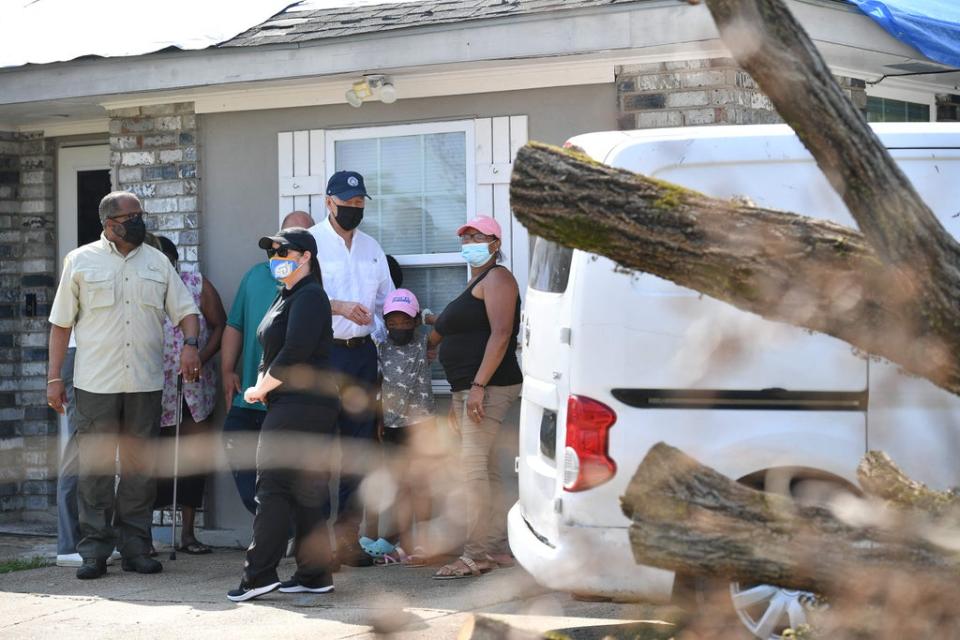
[(477, 334)]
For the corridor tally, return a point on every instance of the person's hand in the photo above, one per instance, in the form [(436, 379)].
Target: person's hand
[(431, 354), (57, 396), (354, 312), (231, 385), (475, 410), (190, 363), (253, 395)]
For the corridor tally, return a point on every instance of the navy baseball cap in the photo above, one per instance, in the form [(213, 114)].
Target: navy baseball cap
[(346, 185)]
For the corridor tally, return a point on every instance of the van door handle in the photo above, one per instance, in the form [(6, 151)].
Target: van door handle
[(526, 336)]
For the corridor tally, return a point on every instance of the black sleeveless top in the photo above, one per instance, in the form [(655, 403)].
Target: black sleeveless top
[(465, 329)]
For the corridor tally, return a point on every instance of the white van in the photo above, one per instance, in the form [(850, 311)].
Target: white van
[(616, 361)]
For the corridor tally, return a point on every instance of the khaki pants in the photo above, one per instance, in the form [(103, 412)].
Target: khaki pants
[(486, 514), (106, 421)]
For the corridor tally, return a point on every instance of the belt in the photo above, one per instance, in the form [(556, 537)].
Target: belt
[(352, 343)]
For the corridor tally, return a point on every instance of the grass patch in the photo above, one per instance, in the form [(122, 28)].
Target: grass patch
[(36, 562)]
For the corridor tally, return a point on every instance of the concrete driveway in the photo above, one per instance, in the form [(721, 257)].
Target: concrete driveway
[(188, 601)]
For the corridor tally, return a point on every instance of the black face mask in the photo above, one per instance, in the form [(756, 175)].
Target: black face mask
[(400, 337), (134, 231), (349, 217)]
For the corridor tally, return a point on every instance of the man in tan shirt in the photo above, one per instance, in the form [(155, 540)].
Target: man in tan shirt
[(114, 294)]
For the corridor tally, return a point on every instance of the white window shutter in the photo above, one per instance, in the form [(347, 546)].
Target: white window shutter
[(498, 140), (302, 174)]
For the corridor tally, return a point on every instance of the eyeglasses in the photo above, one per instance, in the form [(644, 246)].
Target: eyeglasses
[(136, 215), (476, 237), (280, 251)]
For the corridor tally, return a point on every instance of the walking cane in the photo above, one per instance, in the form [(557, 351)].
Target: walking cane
[(176, 469)]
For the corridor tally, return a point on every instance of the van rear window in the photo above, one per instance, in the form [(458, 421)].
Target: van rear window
[(550, 266)]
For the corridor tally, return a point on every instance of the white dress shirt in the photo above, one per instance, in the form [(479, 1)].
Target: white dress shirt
[(358, 274)]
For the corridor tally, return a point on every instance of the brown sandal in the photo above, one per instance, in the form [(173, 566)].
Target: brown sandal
[(453, 572)]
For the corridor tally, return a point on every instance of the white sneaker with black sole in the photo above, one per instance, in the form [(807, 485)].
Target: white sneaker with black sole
[(74, 559), (293, 586), (244, 593)]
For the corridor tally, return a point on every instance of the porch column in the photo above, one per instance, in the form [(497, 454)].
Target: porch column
[(154, 155)]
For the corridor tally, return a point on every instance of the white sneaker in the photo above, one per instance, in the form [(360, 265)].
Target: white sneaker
[(69, 560), (75, 560)]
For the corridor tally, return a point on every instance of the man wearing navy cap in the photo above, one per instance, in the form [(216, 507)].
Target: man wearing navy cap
[(356, 277)]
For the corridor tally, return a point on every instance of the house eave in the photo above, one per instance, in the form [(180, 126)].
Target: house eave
[(533, 51), (617, 28)]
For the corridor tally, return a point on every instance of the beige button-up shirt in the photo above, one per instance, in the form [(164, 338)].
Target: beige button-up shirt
[(116, 305)]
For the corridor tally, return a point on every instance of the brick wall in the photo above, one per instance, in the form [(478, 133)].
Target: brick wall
[(154, 155), (699, 92), (690, 93), (28, 428)]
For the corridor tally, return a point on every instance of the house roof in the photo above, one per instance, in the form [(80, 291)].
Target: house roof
[(301, 23)]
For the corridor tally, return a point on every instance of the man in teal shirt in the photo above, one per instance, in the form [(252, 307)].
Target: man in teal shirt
[(240, 430)]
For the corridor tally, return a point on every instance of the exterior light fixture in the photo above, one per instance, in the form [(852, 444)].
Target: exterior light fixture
[(365, 88)]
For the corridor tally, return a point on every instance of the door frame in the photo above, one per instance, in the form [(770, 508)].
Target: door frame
[(70, 160)]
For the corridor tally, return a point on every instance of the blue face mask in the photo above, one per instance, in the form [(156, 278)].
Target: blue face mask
[(477, 254), (283, 268)]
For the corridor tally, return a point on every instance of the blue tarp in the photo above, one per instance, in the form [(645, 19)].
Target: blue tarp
[(930, 26)]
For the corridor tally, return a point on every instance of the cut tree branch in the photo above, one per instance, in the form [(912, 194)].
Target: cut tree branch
[(689, 518), (807, 272)]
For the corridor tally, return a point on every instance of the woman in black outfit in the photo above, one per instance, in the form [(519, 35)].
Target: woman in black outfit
[(477, 334), (302, 405)]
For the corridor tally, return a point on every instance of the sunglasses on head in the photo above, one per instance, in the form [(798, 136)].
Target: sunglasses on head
[(280, 251)]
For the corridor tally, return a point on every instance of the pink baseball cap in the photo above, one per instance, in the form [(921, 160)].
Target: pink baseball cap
[(483, 224), (402, 300)]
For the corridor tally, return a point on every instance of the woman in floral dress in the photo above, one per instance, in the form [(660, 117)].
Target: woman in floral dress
[(199, 399)]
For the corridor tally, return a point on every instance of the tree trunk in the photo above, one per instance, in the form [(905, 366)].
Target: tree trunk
[(688, 518)]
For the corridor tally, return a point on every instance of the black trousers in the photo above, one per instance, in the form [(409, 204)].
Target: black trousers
[(293, 475), (359, 366)]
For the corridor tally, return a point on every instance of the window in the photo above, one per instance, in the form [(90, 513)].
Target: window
[(422, 183), (550, 267), (890, 110)]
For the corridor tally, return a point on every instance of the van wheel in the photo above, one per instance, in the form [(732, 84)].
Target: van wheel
[(767, 610), (763, 611)]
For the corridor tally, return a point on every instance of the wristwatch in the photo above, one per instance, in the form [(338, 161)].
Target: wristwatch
[(191, 342)]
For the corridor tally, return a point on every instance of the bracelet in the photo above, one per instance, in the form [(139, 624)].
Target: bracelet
[(477, 384), (54, 380)]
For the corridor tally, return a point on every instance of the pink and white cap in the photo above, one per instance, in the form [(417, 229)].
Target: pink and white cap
[(483, 224), (402, 300)]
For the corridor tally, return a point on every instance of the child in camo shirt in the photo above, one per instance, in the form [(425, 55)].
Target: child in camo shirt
[(408, 421)]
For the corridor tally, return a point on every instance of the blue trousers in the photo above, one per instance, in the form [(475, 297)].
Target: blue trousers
[(68, 521), (240, 431), (359, 368)]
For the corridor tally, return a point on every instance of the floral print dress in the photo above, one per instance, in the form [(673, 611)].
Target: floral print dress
[(200, 396)]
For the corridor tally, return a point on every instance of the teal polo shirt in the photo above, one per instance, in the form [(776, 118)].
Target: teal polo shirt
[(254, 297)]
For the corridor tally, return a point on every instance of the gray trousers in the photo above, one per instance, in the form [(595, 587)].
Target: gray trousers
[(118, 518), (68, 523)]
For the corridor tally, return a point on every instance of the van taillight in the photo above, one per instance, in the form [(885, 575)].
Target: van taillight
[(585, 460)]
